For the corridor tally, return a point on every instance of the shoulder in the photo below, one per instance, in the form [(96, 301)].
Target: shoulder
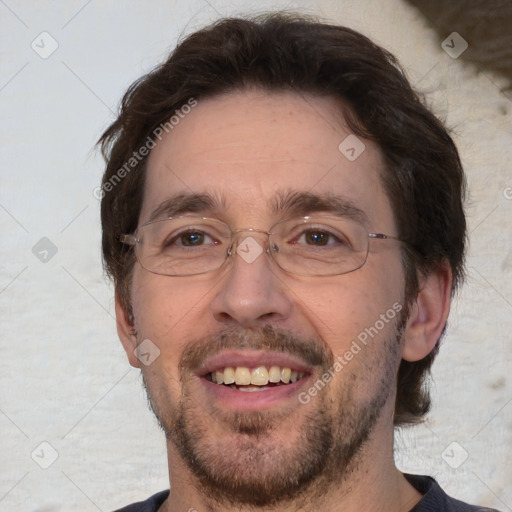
[(435, 499), (152, 504)]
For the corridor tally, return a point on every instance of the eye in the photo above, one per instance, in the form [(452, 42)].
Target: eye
[(190, 238), (317, 237)]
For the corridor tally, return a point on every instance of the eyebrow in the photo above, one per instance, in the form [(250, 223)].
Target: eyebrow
[(284, 204), (180, 204), (304, 203)]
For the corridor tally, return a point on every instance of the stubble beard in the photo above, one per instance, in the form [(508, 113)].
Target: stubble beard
[(251, 468)]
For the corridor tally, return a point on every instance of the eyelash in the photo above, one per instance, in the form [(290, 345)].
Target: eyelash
[(171, 241)]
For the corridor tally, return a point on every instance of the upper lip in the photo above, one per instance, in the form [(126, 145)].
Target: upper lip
[(252, 359)]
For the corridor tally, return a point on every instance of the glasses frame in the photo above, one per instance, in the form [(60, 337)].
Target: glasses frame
[(133, 241)]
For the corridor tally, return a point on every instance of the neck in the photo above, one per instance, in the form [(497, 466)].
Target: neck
[(373, 484)]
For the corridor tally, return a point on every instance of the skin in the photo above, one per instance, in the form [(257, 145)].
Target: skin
[(246, 146)]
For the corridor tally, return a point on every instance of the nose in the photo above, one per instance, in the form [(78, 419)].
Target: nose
[(251, 292)]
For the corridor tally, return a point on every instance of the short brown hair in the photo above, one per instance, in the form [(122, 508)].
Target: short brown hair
[(424, 179)]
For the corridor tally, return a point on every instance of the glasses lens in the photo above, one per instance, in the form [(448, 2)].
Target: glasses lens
[(183, 246), (319, 245)]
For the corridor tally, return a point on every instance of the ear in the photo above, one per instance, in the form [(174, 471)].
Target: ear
[(428, 314), (126, 331)]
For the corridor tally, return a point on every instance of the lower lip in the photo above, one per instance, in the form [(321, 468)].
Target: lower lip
[(232, 399)]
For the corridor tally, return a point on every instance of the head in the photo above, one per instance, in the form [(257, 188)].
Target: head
[(245, 123)]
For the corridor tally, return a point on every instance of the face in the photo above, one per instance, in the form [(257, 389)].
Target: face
[(261, 157)]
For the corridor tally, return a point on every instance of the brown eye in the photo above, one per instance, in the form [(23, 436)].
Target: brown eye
[(317, 237), (192, 239)]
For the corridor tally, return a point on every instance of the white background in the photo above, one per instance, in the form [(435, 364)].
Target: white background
[(64, 377)]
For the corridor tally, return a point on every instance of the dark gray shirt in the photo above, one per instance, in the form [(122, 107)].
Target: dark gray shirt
[(434, 499)]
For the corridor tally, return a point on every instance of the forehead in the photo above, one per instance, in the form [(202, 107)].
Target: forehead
[(249, 149)]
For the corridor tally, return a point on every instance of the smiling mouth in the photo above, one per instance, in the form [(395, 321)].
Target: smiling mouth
[(261, 378)]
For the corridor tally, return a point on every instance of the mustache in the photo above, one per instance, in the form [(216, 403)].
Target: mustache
[(312, 351)]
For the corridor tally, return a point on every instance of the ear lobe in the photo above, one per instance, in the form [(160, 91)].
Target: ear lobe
[(428, 314), (126, 332)]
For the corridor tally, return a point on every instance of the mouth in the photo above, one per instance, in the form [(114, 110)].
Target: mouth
[(253, 380), (261, 378)]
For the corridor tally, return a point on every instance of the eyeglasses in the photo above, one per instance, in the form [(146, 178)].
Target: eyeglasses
[(317, 245)]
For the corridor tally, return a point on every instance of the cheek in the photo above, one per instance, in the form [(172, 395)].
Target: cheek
[(150, 309), (165, 311), (364, 303)]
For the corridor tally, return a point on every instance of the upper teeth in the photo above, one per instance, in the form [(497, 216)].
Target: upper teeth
[(260, 376)]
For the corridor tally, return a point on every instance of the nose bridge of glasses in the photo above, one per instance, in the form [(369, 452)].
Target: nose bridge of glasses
[(249, 230), (249, 241)]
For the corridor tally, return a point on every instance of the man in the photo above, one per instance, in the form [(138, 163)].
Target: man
[(283, 221)]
